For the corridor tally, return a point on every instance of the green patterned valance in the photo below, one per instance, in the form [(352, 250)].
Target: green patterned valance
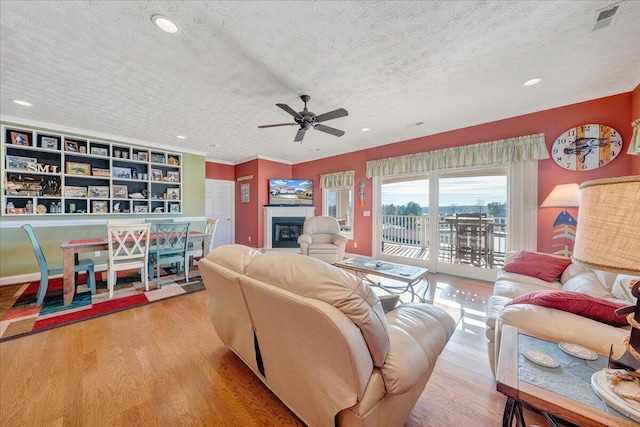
[(522, 148), (337, 179)]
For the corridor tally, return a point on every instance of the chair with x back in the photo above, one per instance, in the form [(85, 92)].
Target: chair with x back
[(128, 250), (172, 243), (45, 271)]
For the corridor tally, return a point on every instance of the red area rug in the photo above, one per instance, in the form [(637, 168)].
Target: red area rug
[(19, 315)]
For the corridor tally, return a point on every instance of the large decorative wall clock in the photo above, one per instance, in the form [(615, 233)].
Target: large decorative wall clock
[(586, 147)]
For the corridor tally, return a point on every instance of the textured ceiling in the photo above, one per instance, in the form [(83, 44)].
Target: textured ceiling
[(103, 67)]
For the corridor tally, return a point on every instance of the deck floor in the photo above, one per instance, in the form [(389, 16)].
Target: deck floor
[(416, 252)]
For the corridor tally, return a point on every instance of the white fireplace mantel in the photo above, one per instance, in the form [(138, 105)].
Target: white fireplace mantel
[(282, 211)]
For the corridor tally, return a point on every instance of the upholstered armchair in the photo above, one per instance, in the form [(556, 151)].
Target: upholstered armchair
[(321, 239)]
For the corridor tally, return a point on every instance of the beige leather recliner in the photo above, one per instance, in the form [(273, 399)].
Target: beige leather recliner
[(321, 238), (318, 338)]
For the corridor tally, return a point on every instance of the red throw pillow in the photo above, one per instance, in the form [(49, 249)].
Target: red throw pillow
[(543, 266), (585, 305)]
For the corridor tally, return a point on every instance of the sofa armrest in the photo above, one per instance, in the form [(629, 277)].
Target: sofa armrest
[(417, 335)]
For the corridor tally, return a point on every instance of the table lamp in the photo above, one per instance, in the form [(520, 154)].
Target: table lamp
[(608, 238), (564, 227)]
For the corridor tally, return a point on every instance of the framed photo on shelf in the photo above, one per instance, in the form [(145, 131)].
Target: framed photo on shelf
[(75, 192), (120, 191), (174, 208), (74, 168), (49, 142), (99, 191), (99, 206), (173, 176), (20, 163), (20, 138), (173, 194), (143, 156), (122, 173), (141, 209), (156, 175), (101, 172), (71, 146), (99, 151)]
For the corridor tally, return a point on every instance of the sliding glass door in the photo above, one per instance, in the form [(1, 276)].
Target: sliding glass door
[(452, 221)]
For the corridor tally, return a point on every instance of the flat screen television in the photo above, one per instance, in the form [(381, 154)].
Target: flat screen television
[(294, 192)]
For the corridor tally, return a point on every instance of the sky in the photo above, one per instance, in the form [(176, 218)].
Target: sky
[(458, 191)]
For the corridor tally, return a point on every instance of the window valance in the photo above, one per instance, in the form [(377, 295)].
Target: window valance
[(337, 179), (521, 148)]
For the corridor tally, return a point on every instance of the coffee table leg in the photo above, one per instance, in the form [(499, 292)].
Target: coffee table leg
[(513, 409)]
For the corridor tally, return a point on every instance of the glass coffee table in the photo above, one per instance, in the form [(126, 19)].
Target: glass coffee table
[(561, 390), (409, 276)]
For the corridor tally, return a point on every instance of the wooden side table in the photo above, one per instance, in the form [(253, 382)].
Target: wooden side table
[(564, 392)]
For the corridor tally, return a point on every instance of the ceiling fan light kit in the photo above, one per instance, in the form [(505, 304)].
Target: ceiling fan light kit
[(307, 120)]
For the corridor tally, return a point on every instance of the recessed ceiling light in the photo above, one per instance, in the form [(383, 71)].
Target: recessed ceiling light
[(215, 145), (164, 24), (365, 129), (23, 103), (533, 81), (315, 149), (181, 137)]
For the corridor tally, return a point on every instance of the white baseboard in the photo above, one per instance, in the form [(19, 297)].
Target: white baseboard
[(33, 277)]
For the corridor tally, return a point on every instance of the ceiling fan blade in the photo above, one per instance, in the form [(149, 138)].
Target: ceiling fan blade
[(340, 112), (300, 135), (291, 111), (281, 124), (327, 129)]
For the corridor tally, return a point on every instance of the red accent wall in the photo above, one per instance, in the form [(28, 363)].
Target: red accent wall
[(221, 171), (616, 111), (613, 111)]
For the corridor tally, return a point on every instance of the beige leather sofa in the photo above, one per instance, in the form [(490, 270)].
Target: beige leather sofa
[(321, 238), (318, 338), (552, 323)]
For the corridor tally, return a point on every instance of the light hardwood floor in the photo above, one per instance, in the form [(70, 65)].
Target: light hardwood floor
[(163, 364)]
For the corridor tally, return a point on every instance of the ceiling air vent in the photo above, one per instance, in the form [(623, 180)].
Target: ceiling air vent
[(606, 16)]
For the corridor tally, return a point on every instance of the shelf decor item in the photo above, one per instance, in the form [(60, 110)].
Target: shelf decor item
[(99, 191), (101, 172), (156, 175), (99, 207), (174, 208), (20, 163), (122, 173), (99, 151), (120, 191), (173, 176), (49, 142), (173, 193), (74, 168), (143, 156), (72, 191), (70, 146), (20, 138), (157, 158)]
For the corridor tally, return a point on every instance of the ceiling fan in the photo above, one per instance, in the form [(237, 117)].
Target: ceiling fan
[(306, 119)]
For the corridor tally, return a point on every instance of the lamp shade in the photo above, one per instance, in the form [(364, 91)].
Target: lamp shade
[(608, 233), (563, 196)]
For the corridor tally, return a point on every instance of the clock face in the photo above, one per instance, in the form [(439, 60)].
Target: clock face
[(586, 147)]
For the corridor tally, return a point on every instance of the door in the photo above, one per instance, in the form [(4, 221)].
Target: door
[(219, 204), (415, 210)]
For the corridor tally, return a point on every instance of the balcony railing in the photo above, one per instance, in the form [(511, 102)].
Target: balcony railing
[(409, 234)]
